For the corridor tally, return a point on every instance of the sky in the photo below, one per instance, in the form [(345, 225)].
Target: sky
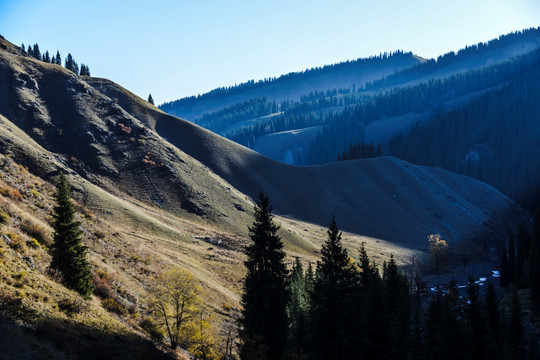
[(174, 49)]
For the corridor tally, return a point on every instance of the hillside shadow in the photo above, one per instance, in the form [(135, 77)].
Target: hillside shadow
[(65, 339)]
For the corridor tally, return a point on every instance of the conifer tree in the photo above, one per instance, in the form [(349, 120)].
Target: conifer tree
[(504, 279), (35, 52), (515, 340), (333, 307), (396, 291), (522, 256), (85, 70), (264, 317), (58, 58), (150, 99), (511, 260), (309, 278), (474, 321), (297, 310), (71, 64), (493, 323), (67, 251), (534, 265)]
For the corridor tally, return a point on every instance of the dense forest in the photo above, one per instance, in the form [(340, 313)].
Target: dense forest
[(347, 309), (493, 138)]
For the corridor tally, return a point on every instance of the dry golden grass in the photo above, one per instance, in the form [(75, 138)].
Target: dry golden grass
[(129, 243)]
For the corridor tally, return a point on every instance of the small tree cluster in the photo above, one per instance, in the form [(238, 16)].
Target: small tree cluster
[(361, 151), (69, 62)]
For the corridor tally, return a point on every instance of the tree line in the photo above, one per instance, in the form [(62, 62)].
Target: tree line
[(69, 62), (432, 65), (174, 106), (347, 309)]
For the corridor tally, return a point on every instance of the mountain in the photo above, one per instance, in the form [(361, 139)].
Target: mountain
[(291, 86), (361, 194), (154, 191), (127, 146), (326, 123), (321, 123)]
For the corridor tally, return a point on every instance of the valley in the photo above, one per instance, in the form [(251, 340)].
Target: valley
[(153, 191)]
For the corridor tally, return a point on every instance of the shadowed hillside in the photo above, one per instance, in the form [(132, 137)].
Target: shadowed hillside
[(382, 198)]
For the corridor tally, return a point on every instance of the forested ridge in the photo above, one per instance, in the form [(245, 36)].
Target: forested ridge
[(299, 76), (494, 138), (487, 115)]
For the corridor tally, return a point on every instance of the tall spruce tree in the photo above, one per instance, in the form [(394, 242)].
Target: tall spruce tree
[(522, 256), (297, 310), (58, 58), (534, 264), (333, 309), (475, 327), (396, 291), (67, 251), (264, 317), (493, 324), (71, 64), (511, 260), (515, 336), (150, 99)]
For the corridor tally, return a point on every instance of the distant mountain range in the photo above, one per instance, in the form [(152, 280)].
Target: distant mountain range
[(283, 119)]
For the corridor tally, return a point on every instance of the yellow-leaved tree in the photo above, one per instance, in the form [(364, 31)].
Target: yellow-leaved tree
[(202, 342), (438, 250), (175, 301)]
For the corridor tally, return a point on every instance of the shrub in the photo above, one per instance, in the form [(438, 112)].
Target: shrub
[(102, 286), (36, 231), (114, 306), (150, 326), (71, 306), (33, 243), (14, 308), (34, 193), (11, 193), (16, 243), (21, 279), (4, 218)]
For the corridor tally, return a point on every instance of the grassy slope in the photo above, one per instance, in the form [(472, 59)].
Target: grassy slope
[(382, 198), (132, 236)]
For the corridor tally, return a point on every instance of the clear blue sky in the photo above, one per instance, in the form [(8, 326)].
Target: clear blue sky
[(174, 49)]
